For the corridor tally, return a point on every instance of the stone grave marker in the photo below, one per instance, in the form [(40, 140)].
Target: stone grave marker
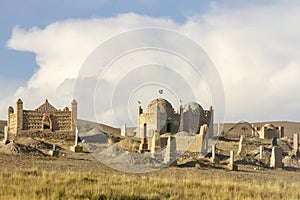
[(232, 166), (276, 157), (123, 130), (76, 148), (54, 152), (170, 154), (261, 151), (296, 145), (241, 149)]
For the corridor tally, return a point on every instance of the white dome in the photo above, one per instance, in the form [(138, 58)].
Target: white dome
[(163, 105)]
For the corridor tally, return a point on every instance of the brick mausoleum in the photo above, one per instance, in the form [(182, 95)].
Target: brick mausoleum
[(46, 118)]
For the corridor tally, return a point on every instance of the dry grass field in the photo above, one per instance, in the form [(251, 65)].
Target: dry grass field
[(81, 176), (169, 183)]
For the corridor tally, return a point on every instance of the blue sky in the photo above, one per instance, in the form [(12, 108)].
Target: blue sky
[(254, 45), (30, 13)]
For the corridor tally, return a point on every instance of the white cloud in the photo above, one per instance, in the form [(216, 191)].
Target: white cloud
[(256, 50)]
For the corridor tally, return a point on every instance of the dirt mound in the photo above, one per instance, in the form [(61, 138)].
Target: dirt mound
[(119, 159), (113, 151), (36, 143), (14, 148), (129, 144), (135, 159)]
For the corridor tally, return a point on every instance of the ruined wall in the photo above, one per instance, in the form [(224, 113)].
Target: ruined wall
[(65, 135), (183, 142), (12, 123), (268, 134), (147, 119)]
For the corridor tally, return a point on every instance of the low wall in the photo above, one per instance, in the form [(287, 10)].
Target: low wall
[(64, 135)]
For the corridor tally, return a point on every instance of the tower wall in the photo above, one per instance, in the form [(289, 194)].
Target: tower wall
[(211, 123), (74, 114), (19, 115)]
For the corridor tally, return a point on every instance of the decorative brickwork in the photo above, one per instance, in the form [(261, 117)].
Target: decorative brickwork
[(45, 119)]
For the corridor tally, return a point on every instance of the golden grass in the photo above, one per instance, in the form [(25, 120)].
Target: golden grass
[(36, 184)]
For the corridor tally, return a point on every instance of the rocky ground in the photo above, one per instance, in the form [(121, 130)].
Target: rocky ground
[(30, 153), (33, 152)]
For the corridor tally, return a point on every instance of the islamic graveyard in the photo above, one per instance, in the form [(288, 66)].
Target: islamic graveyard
[(166, 142)]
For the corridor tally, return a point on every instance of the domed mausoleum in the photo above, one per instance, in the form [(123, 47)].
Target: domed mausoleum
[(269, 131), (162, 118)]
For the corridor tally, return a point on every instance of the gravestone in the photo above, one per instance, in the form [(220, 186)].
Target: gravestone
[(170, 154), (252, 131), (213, 151), (123, 130), (76, 148), (276, 157), (231, 161), (261, 151), (203, 139), (231, 165), (274, 141), (214, 159), (6, 141), (54, 152), (296, 145), (241, 150)]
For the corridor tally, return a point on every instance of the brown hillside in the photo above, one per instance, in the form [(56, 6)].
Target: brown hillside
[(231, 128), (90, 128)]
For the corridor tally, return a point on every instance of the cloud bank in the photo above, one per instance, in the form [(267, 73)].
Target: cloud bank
[(256, 50)]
